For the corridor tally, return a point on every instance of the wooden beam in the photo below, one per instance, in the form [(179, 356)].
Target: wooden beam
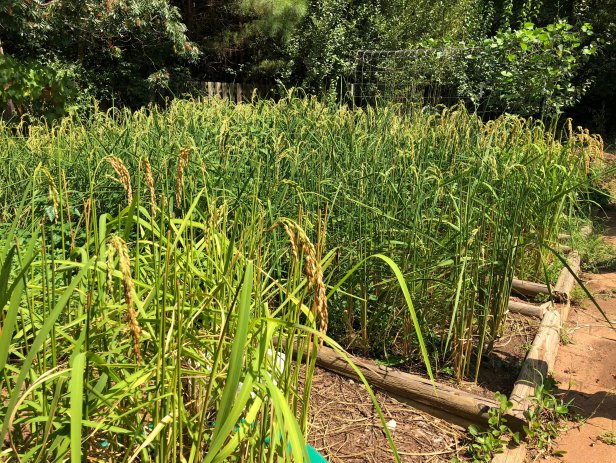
[(438, 399), (511, 454), (459, 422), (527, 309), (528, 288), (566, 280), (542, 355), (539, 361)]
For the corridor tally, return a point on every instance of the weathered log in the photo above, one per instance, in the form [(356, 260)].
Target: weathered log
[(542, 355), (566, 280), (539, 361), (528, 288), (438, 399), (511, 454), (527, 309)]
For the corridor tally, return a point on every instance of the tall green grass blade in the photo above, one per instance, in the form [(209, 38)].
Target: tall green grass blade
[(38, 342), (76, 404), (236, 360)]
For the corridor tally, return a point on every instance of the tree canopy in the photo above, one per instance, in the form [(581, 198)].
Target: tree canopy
[(57, 53)]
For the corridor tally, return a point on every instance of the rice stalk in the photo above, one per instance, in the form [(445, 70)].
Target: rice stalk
[(183, 158), (149, 181)]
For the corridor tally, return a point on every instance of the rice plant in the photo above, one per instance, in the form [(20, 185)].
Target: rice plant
[(154, 336), (151, 337), (460, 205)]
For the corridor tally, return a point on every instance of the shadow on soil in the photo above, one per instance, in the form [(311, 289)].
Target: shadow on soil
[(601, 404)]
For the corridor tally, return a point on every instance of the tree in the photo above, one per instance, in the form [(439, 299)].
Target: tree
[(126, 50), (530, 70)]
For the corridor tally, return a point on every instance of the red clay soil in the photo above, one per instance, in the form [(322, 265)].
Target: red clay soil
[(586, 371)]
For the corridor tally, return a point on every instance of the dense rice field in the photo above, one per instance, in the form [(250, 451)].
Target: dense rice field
[(151, 260)]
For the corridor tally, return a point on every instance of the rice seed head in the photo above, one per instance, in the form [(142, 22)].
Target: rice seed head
[(293, 240), (52, 191), (121, 249), (312, 268), (123, 175), (179, 178), (149, 180)]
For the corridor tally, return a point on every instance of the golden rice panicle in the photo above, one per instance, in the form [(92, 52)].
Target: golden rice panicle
[(312, 268), (179, 178), (123, 175), (119, 245), (149, 180)]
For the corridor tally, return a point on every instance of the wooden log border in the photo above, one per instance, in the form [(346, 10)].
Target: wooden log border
[(457, 406), (529, 309), (541, 356)]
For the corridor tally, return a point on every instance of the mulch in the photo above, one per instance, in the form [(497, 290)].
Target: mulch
[(345, 427)]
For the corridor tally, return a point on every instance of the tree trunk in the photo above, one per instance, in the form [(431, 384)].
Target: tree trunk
[(9, 112)]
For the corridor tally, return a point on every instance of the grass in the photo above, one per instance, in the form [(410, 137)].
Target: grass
[(149, 325), (608, 437), (460, 205)]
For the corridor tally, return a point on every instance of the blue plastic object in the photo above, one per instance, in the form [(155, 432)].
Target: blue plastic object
[(314, 456)]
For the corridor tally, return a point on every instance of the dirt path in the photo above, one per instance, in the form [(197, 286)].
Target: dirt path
[(586, 370)]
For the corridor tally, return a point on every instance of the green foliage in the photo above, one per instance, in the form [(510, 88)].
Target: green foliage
[(133, 51), (126, 345), (544, 417), (36, 89), (608, 437), (405, 23), (485, 444), (453, 201), (277, 18), (324, 49), (530, 70), (598, 108)]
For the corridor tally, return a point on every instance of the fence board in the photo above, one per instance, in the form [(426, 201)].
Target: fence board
[(235, 91)]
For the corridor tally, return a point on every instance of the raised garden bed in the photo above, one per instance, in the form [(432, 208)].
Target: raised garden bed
[(345, 428), (464, 404)]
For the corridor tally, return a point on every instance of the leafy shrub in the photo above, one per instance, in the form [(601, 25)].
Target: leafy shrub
[(529, 71), (129, 51), (34, 88)]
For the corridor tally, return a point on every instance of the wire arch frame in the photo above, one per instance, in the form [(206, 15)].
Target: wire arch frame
[(422, 76)]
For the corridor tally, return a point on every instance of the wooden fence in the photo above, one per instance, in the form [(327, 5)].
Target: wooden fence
[(237, 92)]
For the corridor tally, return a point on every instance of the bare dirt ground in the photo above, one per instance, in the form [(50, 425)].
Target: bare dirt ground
[(345, 427), (586, 370)]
